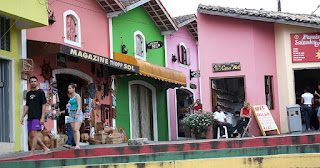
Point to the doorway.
(63, 81)
(229, 94)
(4, 102)
(184, 101)
(142, 112)
(307, 78)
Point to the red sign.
(305, 47)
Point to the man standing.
(307, 99)
(35, 108)
(221, 120)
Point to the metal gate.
(4, 102)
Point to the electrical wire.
(80, 7)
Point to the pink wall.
(173, 40)
(93, 22)
(224, 39)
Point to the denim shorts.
(318, 114)
(72, 115)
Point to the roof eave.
(257, 18)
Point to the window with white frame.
(183, 55)
(4, 34)
(72, 31)
(139, 45)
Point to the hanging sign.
(305, 47)
(194, 74)
(155, 45)
(264, 119)
(233, 66)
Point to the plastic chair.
(225, 133)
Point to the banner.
(305, 47)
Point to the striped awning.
(153, 70)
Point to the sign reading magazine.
(264, 119)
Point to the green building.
(138, 35)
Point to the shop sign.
(194, 74)
(305, 47)
(155, 45)
(98, 59)
(264, 118)
(233, 66)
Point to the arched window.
(139, 45)
(72, 31)
(184, 55)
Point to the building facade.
(13, 21)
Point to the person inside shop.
(197, 105)
(317, 98)
(307, 100)
(221, 120)
(70, 142)
(35, 108)
(75, 114)
(245, 115)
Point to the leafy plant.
(198, 122)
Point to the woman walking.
(75, 114)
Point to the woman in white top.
(307, 100)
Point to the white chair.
(225, 132)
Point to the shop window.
(269, 91)
(72, 33)
(184, 55)
(139, 45)
(4, 34)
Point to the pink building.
(76, 49)
(182, 55)
(237, 62)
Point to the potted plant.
(198, 123)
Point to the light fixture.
(124, 49)
(52, 19)
(174, 58)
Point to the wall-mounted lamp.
(174, 58)
(124, 49)
(52, 19)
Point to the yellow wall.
(295, 160)
(14, 53)
(28, 11)
(285, 68)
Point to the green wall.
(137, 19)
(124, 26)
(123, 105)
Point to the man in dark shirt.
(35, 108)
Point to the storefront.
(298, 66)
(57, 65)
(237, 63)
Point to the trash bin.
(294, 118)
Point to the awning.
(153, 70)
(36, 48)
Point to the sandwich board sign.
(264, 119)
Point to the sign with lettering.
(155, 45)
(194, 74)
(264, 118)
(305, 47)
(98, 59)
(233, 66)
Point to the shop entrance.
(307, 78)
(63, 80)
(184, 101)
(4, 102)
(229, 93)
(141, 112)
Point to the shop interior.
(63, 80)
(307, 78)
(184, 101)
(229, 94)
